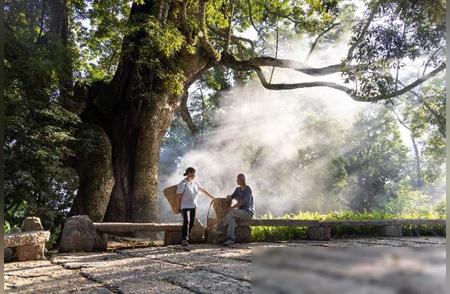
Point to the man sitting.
(243, 210)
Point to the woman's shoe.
(184, 243)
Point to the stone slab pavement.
(406, 265)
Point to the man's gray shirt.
(247, 196)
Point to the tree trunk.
(94, 168)
(136, 135)
(118, 171)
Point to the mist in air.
(262, 132)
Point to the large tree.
(149, 54)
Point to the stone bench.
(172, 231)
(243, 231)
(321, 230)
(317, 230)
(30, 243)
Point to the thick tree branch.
(186, 116)
(252, 63)
(283, 86)
(347, 90)
(255, 63)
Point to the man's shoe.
(184, 243)
(228, 242)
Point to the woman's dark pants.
(186, 223)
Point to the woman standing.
(188, 189)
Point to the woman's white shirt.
(189, 191)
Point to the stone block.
(7, 254)
(172, 237)
(101, 242)
(390, 231)
(243, 234)
(243, 223)
(197, 232)
(32, 224)
(211, 236)
(144, 235)
(78, 234)
(214, 237)
(319, 233)
(30, 252)
(26, 238)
